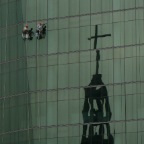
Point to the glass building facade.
(83, 83)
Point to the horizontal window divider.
(69, 125)
(73, 16)
(71, 52)
(68, 88)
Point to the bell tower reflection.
(96, 110)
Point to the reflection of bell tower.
(99, 96)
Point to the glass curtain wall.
(83, 83)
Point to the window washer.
(40, 31)
(26, 33)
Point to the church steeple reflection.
(96, 95)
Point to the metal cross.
(97, 36)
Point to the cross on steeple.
(97, 36)
(95, 46)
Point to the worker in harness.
(40, 31)
(26, 33)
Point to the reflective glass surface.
(81, 84)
